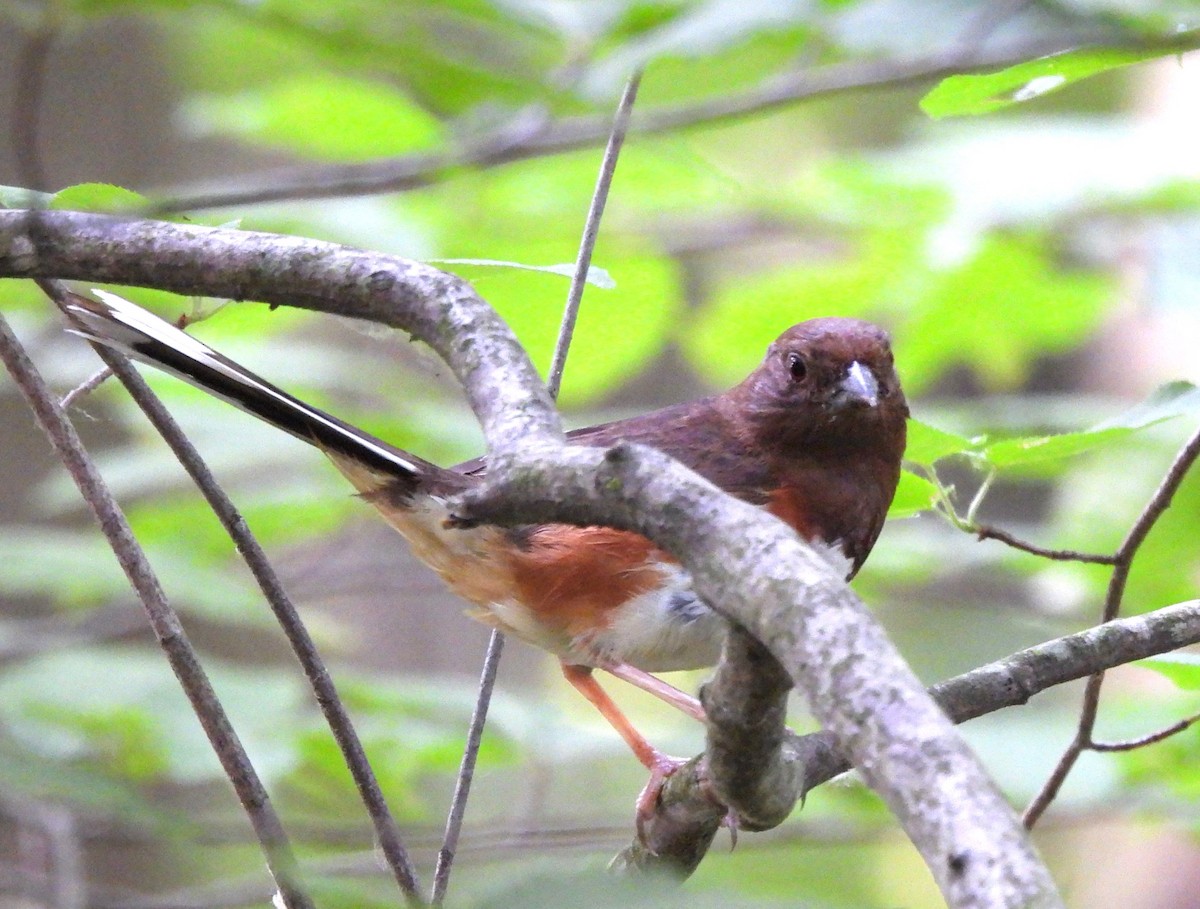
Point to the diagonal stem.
(466, 772)
(1159, 502)
(386, 829)
(491, 663)
(591, 229)
(163, 619)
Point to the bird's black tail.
(117, 323)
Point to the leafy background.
(1026, 233)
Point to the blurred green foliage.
(995, 248)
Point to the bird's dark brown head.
(827, 383)
(826, 410)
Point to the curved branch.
(438, 308)
(761, 576)
(745, 562)
(813, 759)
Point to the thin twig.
(1123, 562)
(487, 682)
(987, 532)
(591, 229)
(29, 93)
(1157, 506)
(386, 829)
(466, 772)
(780, 90)
(1151, 739)
(163, 619)
(968, 524)
(90, 384)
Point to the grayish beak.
(858, 387)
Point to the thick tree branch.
(758, 573)
(438, 308)
(748, 564)
(804, 762)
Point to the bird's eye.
(796, 366)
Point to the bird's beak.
(859, 386)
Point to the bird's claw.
(731, 821)
(661, 767)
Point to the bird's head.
(824, 383)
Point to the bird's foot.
(661, 767)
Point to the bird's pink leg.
(659, 764)
(657, 687)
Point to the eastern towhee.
(814, 435)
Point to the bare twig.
(591, 229)
(86, 387)
(1155, 508)
(163, 620)
(386, 829)
(968, 524)
(1123, 562)
(986, 532)
(466, 771)
(1151, 739)
(562, 345)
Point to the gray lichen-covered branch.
(750, 566)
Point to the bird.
(814, 435)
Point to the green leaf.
(98, 197)
(965, 95)
(1174, 399)
(927, 444)
(996, 314)
(1171, 400)
(914, 494)
(1181, 668)
(320, 115)
(1035, 449)
(596, 276)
